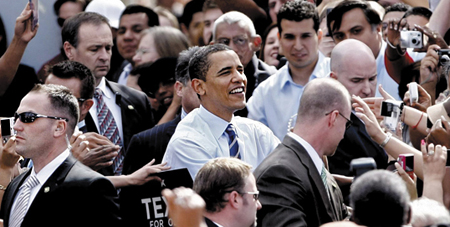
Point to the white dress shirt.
(201, 136)
(110, 99)
(276, 99)
(124, 75)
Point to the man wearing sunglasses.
(295, 187)
(353, 64)
(57, 186)
(229, 189)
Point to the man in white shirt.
(276, 99)
(212, 130)
(57, 187)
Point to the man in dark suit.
(228, 188)
(118, 112)
(152, 143)
(353, 64)
(296, 189)
(57, 187)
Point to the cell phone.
(7, 128)
(34, 6)
(413, 92)
(406, 161)
(360, 166)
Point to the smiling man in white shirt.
(212, 130)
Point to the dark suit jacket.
(356, 144)
(136, 115)
(149, 144)
(74, 195)
(292, 192)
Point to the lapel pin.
(130, 107)
(46, 189)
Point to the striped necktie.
(22, 202)
(323, 175)
(108, 128)
(233, 144)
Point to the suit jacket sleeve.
(282, 194)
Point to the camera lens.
(414, 41)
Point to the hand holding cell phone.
(34, 4)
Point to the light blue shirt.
(201, 136)
(277, 99)
(383, 78)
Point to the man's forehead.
(287, 25)
(95, 35)
(133, 19)
(33, 101)
(222, 59)
(225, 30)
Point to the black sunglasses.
(29, 117)
(347, 124)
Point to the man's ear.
(87, 104)
(234, 200)
(319, 35)
(179, 88)
(198, 86)
(68, 50)
(333, 75)
(257, 42)
(61, 128)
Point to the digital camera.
(392, 111)
(444, 56)
(411, 39)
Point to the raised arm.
(10, 61)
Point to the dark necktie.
(108, 128)
(234, 146)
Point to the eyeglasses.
(255, 194)
(29, 117)
(238, 41)
(349, 122)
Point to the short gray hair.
(233, 17)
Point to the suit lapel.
(313, 174)
(48, 188)
(13, 188)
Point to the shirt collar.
(216, 124)
(287, 78)
(317, 160)
(48, 169)
(102, 87)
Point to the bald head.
(321, 96)
(353, 64)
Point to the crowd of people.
(273, 107)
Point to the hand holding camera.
(417, 97)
